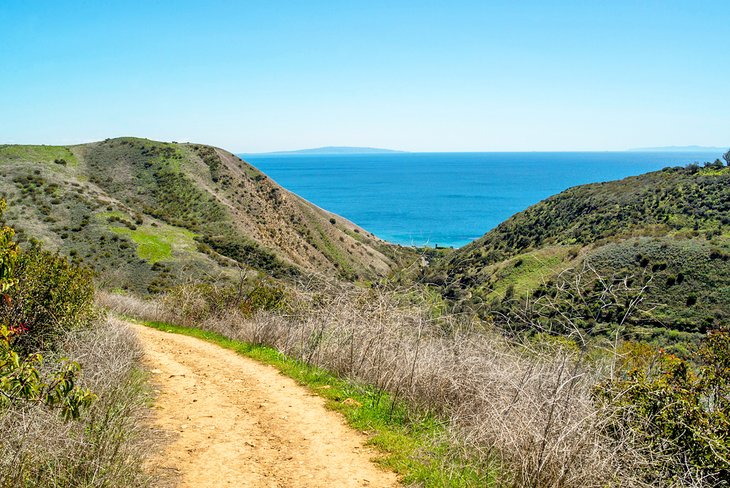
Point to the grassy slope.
(672, 225)
(145, 214)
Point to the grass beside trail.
(412, 445)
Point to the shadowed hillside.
(146, 214)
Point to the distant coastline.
(334, 150)
(353, 150)
(709, 149)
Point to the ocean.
(448, 199)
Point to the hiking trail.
(232, 421)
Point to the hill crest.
(145, 213)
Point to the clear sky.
(425, 75)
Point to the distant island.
(680, 149)
(337, 150)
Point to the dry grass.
(526, 410)
(104, 447)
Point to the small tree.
(726, 157)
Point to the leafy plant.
(52, 296)
(678, 410)
(21, 380)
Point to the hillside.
(668, 230)
(148, 214)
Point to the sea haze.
(448, 199)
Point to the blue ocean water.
(448, 199)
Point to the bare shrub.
(131, 306)
(524, 407)
(104, 447)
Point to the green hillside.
(147, 214)
(666, 232)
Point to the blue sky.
(425, 76)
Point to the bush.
(193, 303)
(47, 302)
(678, 411)
(22, 381)
(250, 254)
(52, 296)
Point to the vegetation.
(39, 154)
(668, 230)
(583, 342)
(671, 200)
(245, 251)
(211, 159)
(106, 446)
(127, 206)
(46, 315)
(24, 327)
(51, 297)
(679, 411)
(156, 243)
(523, 412)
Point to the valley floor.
(232, 421)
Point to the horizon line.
(690, 148)
(312, 151)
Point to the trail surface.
(232, 421)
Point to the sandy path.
(236, 422)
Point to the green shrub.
(52, 296)
(211, 159)
(676, 410)
(262, 295)
(21, 379)
(250, 253)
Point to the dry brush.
(106, 446)
(524, 408)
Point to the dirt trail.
(236, 422)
